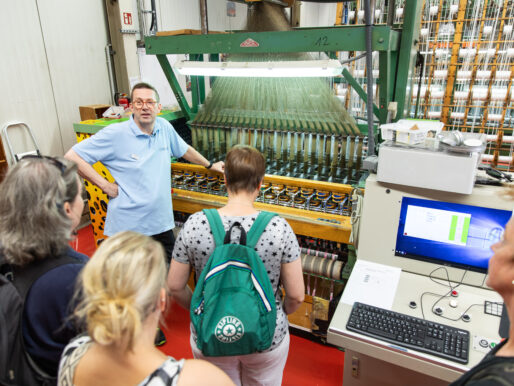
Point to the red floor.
(308, 363)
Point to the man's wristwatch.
(209, 166)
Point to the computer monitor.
(385, 218)
(449, 234)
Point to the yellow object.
(97, 199)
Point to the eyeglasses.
(140, 104)
(54, 161)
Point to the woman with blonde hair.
(122, 295)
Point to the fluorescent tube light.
(285, 69)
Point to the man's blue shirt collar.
(137, 131)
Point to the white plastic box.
(450, 172)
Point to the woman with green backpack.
(239, 255)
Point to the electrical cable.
(353, 59)
(421, 64)
(368, 17)
(356, 200)
(440, 297)
(153, 24)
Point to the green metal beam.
(175, 87)
(360, 91)
(407, 55)
(387, 65)
(340, 38)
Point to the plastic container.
(411, 131)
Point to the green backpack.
(233, 306)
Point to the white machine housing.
(428, 169)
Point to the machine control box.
(436, 170)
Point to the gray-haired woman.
(40, 207)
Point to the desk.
(381, 364)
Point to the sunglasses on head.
(54, 161)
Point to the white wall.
(53, 61)
(317, 14)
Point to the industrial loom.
(315, 149)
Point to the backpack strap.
(24, 277)
(257, 228)
(218, 231)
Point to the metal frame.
(396, 54)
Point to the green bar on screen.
(453, 228)
(465, 230)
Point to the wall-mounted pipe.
(141, 18)
(110, 71)
(204, 20)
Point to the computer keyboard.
(406, 331)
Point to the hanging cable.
(153, 25)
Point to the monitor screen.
(449, 234)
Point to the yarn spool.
(479, 93)
(483, 74)
(436, 94)
(463, 75)
(502, 75)
(318, 253)
(494, 117)
(498, 94)
(329, 268)
(468, 53)
(440, 74)
(488, 29)
(461, 95)
(457, 115)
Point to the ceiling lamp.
(283, 69)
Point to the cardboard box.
(92, 111)
(411, 131)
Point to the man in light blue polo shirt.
(137, 153)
